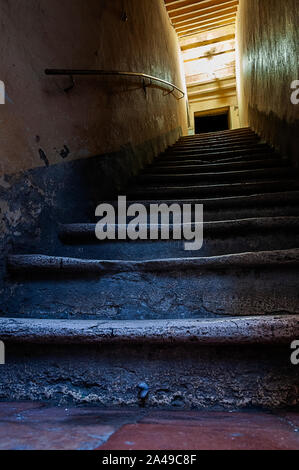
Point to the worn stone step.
(86, 232)
(284, 198)
(251, 212)
(213, 154)
(234, 207)
(56, 264)
(219, 238)
(215, 176)
(215, 159)
(251, 138)
(280, 204)
(220, 134)
(255, 142)
(279, 329)
(212, 190)
(216, 145)
(230, 363)
(245, 284)
(214, 167)
(236, 212)
(199, 150)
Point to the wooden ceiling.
(195, 16)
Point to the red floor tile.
(36, 426)
(206, 431)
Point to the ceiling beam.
(206, 29)
(200, 24)
(201, 84)
(176, 4)
(213, 89)
(203, 39)
(222, 11)
(196, 6)
(199, 11)
(219, 14)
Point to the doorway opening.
(211, 122)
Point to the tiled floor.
(39, 427)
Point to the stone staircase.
(89, 322)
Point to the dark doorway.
(212, 123)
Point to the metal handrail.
(72, 72)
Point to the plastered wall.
(268, 52)
(41, 124)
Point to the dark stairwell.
(206, 329)
(146, 324)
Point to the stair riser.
(289, 200)
(235, 142)
(235, 166)
(220, 134)
(212, 190)
(218, 177)
(211, 153)
(241, 130)
(226, 209)
(145, 295)
(217, 243)
(181, 376)
(251, 212)
(211, 160)
(218, 145)
(175, 249)
(223, 213)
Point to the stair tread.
(19, 263)
(283, 222)
(240, 130)
(269, 163)
(247, 172)
(257, 200)
(229, 330)
(224, 142)
(214, 160)
(220, 149)
(217, 145)
(191, 187)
